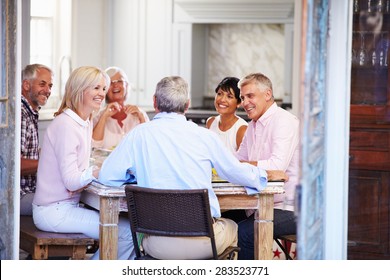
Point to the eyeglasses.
(114, 82)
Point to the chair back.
(169, 213)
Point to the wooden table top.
(220, 188)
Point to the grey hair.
(111, 71)
(262, 81)
(30, 71)
(172, 95)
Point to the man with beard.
(37, 81)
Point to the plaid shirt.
(29, 144)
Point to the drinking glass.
(355, 48)
(362, 51)
(384, 45)
(369, 6)
(379, 6)
(356, 8)
(373, 53)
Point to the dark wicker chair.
(171, 213)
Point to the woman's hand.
(134, 110)
(78, 191)
(131, 109)
(112, 109)
(95, 173)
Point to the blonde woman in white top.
(230, 127)
(117, 118)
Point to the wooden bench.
(41, 244)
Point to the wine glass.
(356, 8)
(373, 53)
(369, 6)
(379, 6)
(382, 59)
(355, 48)
(354, 57)
(362, 50)
(353, 53)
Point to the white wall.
(89, 33)
(144, 38)
(140, 42)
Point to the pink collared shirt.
(273, 141)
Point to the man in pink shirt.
(272, 143)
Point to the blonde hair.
(79, 80)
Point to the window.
(50, 42)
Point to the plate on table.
(216, 179)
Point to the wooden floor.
(278, 254)
(24, 255)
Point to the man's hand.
(273, 175)
(277, 175)
(95, 171)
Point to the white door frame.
(337, 129)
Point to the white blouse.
(228, 137)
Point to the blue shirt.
(170, 152)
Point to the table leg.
(108, 229)
(264, 227)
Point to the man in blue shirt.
(171, 152)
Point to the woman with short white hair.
(117, 118)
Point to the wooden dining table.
(110, 201)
